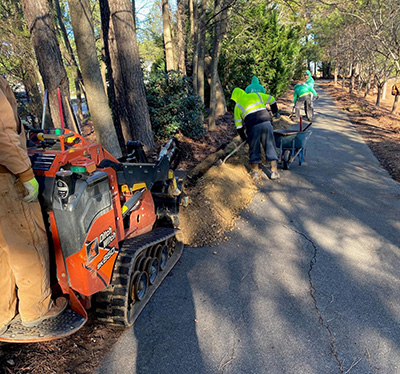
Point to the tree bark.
(194, 30)
(384, 91)
(82, 25)
(70, 58)
(336, 73)
(39, 21)
(379, 95)
(201, 50)
(367, 86)
(219, 31)
(220, 96)
(180, 20)
(117, 101)
(77, 81)
(352, 78)
(33, 96)
(395, 104)
(131, 84)
(168, 46)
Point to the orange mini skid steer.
(112, 228)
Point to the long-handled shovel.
(219, 162)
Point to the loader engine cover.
(87, 231)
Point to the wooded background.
(173, 69)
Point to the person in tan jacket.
(24, 253)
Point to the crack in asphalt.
(222, 366)
(312, 292)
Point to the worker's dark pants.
(301, 101)
(261, 134)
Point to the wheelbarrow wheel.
(308, 108)
(286, 158)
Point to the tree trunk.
(221, 102)
(384, 91)
(70, 58)
(39, 21)
(336, 74)
(219, 32)
(359, 83)
(77, 81)
(201, 50)
(103, 65)
(379, 95)
(352, 78)
(180, 20)
(131, 84)
(367, 86)
(117, 102)
(194, 30)
(168, 46)
(395, 104)
(34, 98)
(82, 25)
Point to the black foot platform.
(53, 328)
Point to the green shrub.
(173, 106)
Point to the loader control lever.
(132, 201)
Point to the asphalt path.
(308, 281)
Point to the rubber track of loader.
(112, 303)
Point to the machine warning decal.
(92, 250)
(101, 242)
(63, 189)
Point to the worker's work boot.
(5, 327)
(254, 171)
(274, 170)
(56, 308)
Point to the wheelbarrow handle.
(307, 126)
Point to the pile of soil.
(216, 200)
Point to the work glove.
(32, 187)
(277, 115)
(316, 98)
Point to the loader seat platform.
(53, 328)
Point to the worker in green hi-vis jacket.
(304, 95)
(309, 78)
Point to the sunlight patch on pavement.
(357, 245)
